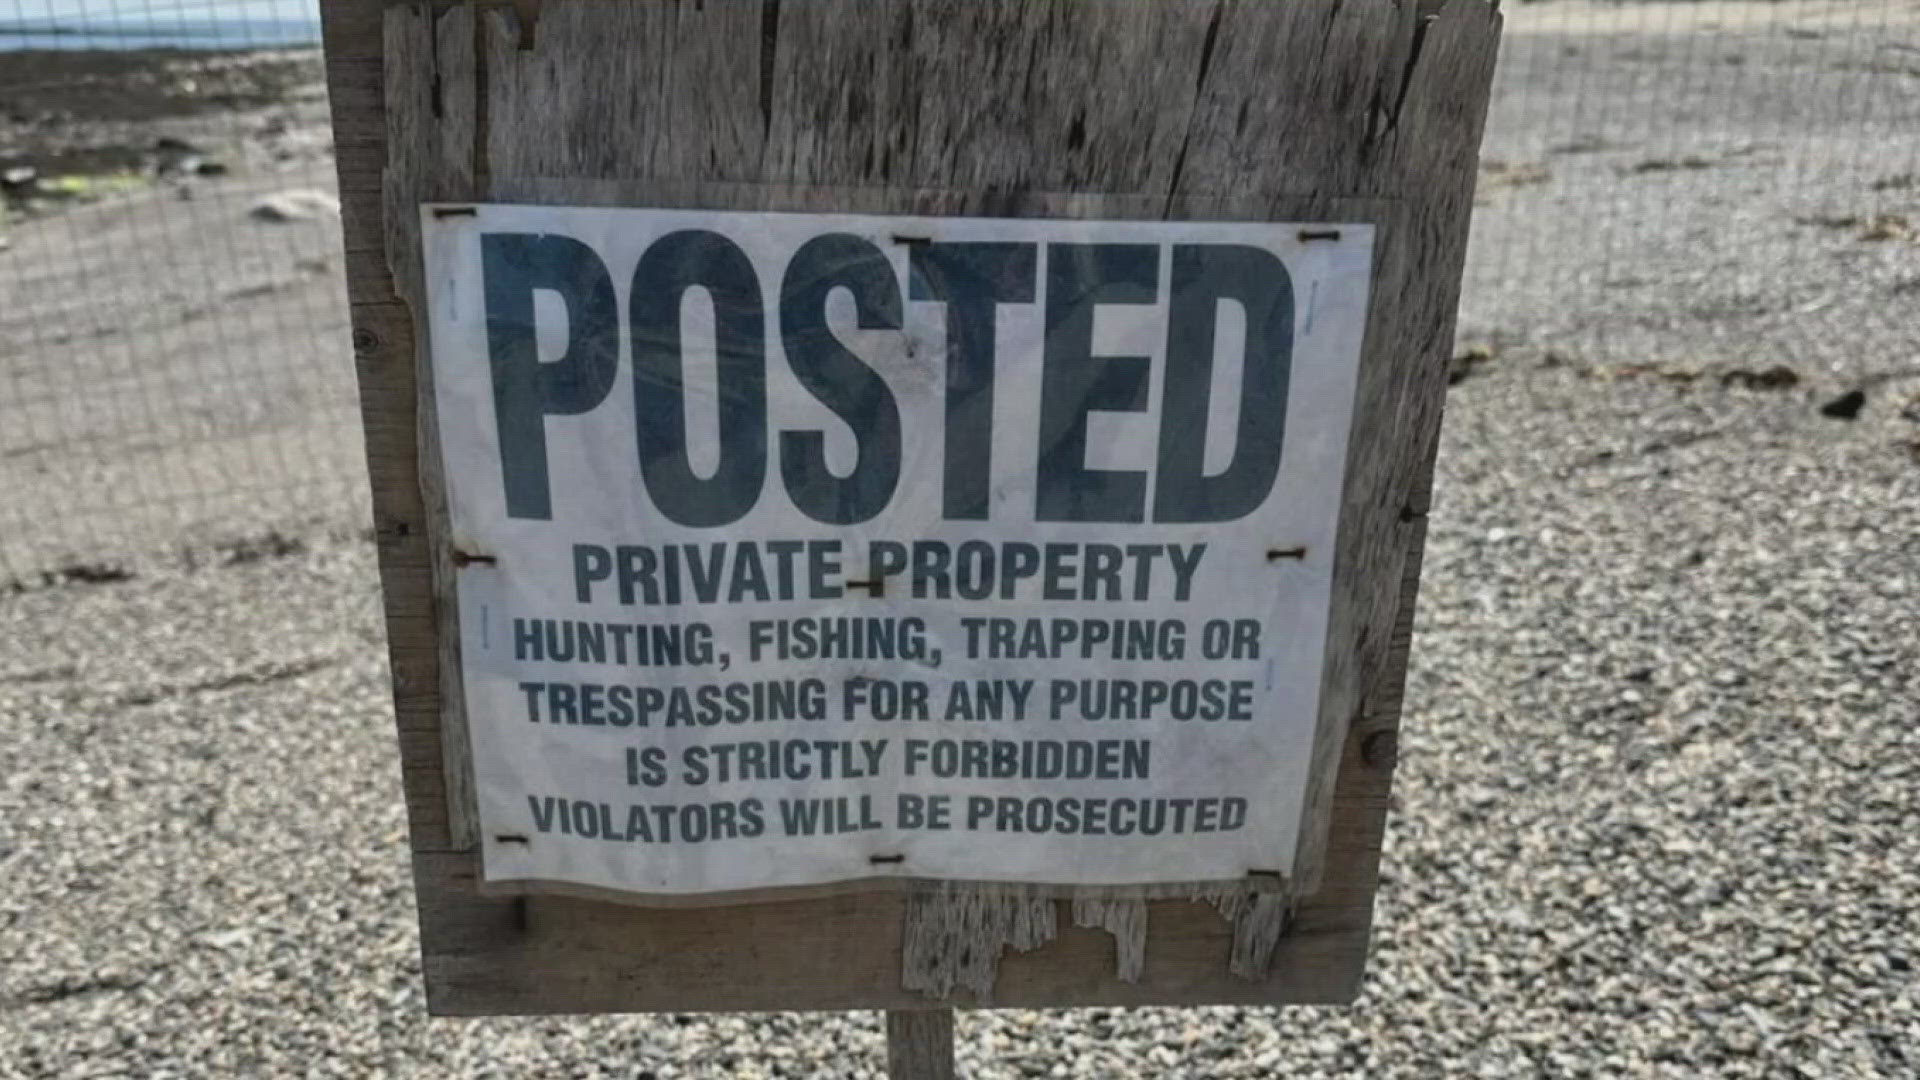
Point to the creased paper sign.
(806, 548)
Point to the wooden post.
(920, 1044)
(1312, 112)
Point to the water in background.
(158, 24)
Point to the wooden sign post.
(900, 503)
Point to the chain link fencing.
(1705, 190)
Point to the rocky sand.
(1655, 813)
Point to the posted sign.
(799, 549)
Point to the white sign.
(807, 548)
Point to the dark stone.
(92, 573)
(1467, 364)
(1777, 377)
(1845, 407)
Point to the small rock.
(226, 939)
(1777, 377)
(1845, 407)
(1468, 363)
(1495, 174)
(1830, 221)
(1655, 165)
(1888, 227)
(178, 164)
(297, 205)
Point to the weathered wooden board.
(1202, 109)
(920, 1043)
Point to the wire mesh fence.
(174, 365)
(1709, 184)
(1704, 190)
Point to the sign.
(883, 395)
(798, 549)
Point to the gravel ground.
(1655, 813)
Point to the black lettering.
(526, 390)
(675, 263)
(1074, 382)
(971, 279)
(842, 381)
(1203, 277)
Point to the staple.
(463, 558)
(456, 211)
(510, 838)
(883, 859)
(1319, 234)
(901, 238)
(1275, 874)
(1276, 554)
(875, 587)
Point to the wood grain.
(1204, 109)
(920, 1044)
(432, 121)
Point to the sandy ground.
(175, 371)
(1655, 815)
(1796, 16)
